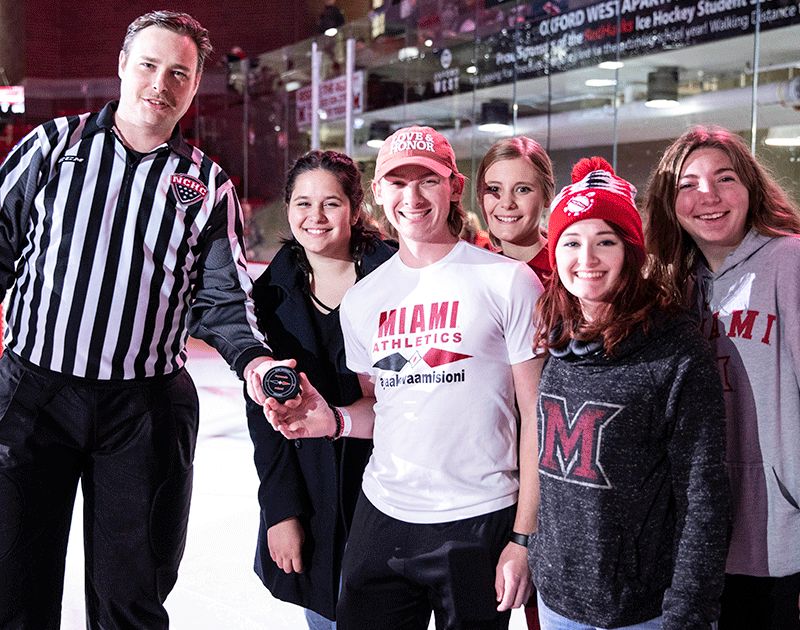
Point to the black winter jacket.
(313, 479)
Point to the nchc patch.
(188, 189)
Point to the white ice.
(216, 588)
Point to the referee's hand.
(254, 373)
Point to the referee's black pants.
(394, 573)
(131, 445)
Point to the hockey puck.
(281, 383)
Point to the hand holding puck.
(281, 383)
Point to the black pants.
(761, 603)
(131, 444)
(395, 573)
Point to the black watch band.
(521, 539)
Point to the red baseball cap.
(423, 146)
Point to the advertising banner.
(332, 99)
(583, 36)
(517, 40)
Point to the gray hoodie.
(750, 311)
(633, 514)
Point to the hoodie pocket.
(790, 499)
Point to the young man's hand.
(306, 416)
(512, 582)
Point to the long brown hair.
(630, 303)
(674, 252)
(457, 216)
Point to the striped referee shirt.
(116, 256)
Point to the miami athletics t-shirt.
(439, 343)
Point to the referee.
(119, 239)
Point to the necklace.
(319, 303)
(325, 308)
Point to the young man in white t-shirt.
(442, 337)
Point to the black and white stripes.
(116, 255)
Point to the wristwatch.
(522, 539)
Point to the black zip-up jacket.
(634, 496)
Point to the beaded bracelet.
(337, 416)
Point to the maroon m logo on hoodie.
(569, 446)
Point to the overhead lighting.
(661, 103)
(358, 123)
(323, 115)
(291, 86)
(12, 97)
(610, 65)
(471, 70)
(429, 42)
(496, 128)
(783, 136)
(662, 88)
(600, 82)
(495, 117)
(331, 32)
(378, 132)
(408, 52)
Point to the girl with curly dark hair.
(308, 489)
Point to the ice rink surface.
(216, 588)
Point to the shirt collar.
(105, 121)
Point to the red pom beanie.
(595, 193)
